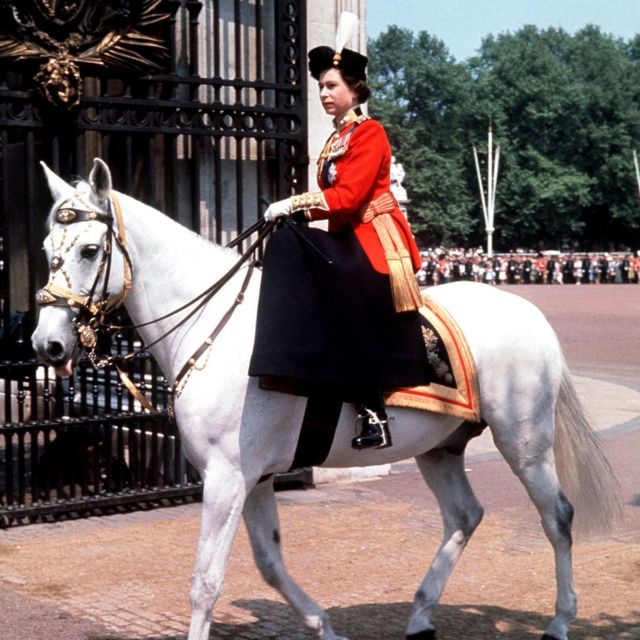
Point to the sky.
(462, 24)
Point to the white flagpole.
(489, 203)
(482, 198)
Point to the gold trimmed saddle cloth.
(455, 391)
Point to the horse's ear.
(57, 185)
(100, 180)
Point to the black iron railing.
(205, 139)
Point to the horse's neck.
(171, 266)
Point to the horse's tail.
(584, 471)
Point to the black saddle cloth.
(332, 324)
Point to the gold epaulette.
(306, 201)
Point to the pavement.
(362, 547)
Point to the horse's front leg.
(222, 501)
(261, 518)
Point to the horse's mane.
(178, 228)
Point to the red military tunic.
(328, 317)
(353, 171)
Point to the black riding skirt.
(325, 316)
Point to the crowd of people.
(440, 266)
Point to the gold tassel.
(404, 288)
(409, 292)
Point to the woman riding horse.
(343, 318)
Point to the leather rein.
(91, 311)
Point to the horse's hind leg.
(534, 464)
(461, 514)
(261, 517)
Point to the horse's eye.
(89, 251)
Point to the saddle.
(452, 388)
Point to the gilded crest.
(64, 35)
(60, 11)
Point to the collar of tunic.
(340, 122)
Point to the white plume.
(347, 27)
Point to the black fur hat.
(349, 62)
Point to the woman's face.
(335, 94)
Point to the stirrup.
(375, 432)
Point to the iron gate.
(198, 108)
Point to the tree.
(565, 110)
(568, 116)
(420, 95)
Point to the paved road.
(361, 548)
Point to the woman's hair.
(360, 87)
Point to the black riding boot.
(374, 432)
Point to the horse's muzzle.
(54, 342)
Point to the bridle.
(91, 310)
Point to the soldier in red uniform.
(351, 325)
(636, 268)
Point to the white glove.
(278, 210)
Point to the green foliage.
(564, 110)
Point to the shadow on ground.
(373, 622)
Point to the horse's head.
(87, 277)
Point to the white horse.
(236, 433)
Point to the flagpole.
(489, 201)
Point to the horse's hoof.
(427, 634)
(546, 636)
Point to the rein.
(201, 299)
(264, 228)
(56, 295)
